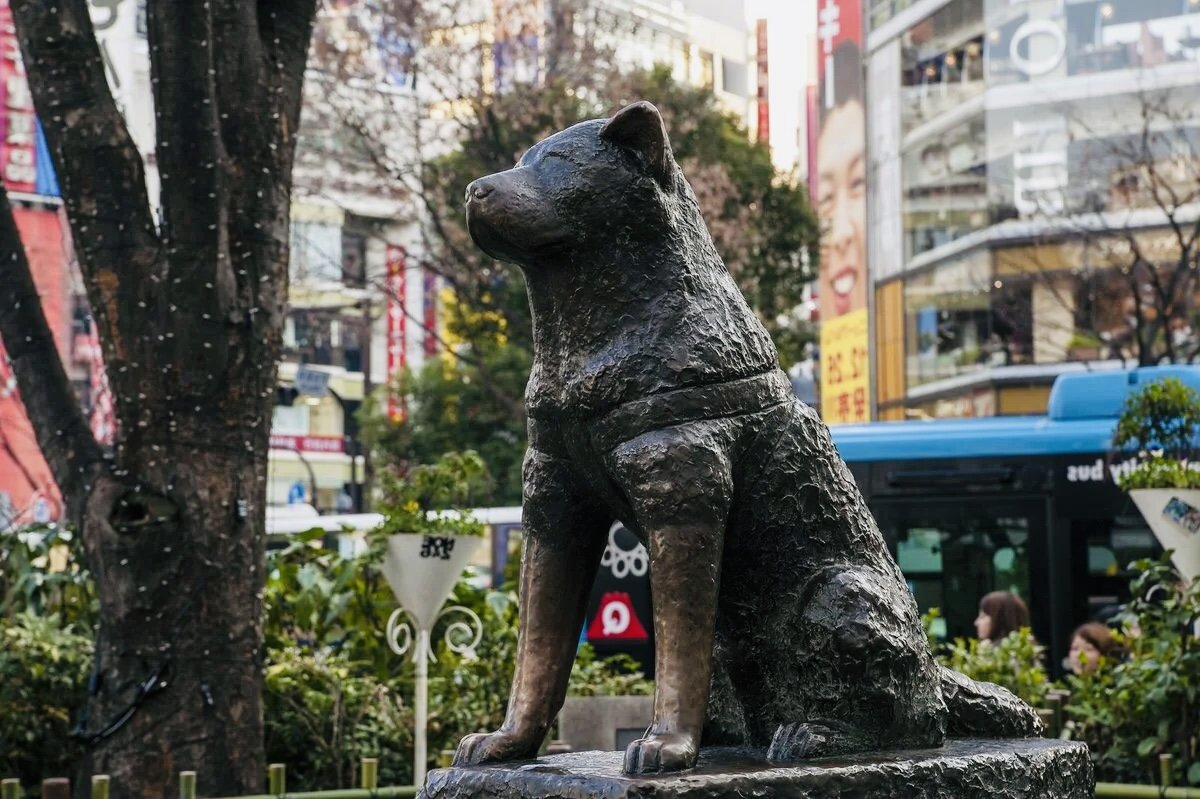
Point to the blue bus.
(1026, 504)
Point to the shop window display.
(945, 187)
(942, 63)
(1027, 41)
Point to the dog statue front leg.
(564, 539)
(680, 488)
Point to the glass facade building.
(1031, 166)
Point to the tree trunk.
(190, 314)
(178, 653)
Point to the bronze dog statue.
(656, 398)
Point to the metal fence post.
(187, 785)
(56, 788)
(1165, 760)
(100, 784)
(277, 779)
(370, 773)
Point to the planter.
(422, 569)
(1174, 516)
(606, 723)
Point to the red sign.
(397, 342)
(308, 443)
(764, 110)
(615, 620)
(18, 124)
(429, 295)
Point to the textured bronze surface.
(655, 398)
(962, 769)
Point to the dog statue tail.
(984, 710)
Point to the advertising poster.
(841, 182)
(845, 369)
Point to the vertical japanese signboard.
(841, 181)
(397, 342)
(764, 93)
(18, 124)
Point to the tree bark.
(190, 317)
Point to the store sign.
(1040, 175)
(397, 343)
(615, 620)
(845, 371)
(335, 444)
(18, 123)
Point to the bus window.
(1102, 550)
(954, 552)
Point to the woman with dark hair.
(1000, 613)
(1089, 643)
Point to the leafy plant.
(323, 712)
(43, 677)
(430, 498)
(1130, 712)
(616, 675)
(1160, 424)
(1014, 662)
(42, 572)
(316, 600)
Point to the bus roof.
(1081, 414)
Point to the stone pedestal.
(1033, 768)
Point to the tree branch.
(62, 431)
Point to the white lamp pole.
(422, 571)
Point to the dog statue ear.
(639, 127)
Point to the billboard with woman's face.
(841, 161)
(841, 195)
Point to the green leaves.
(445, 485)
(1131, 711)
(1160, 426)
(44, 667)
(1016, 662)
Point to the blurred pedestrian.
(1089, 643)
(1000, 613)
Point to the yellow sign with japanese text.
(845, 369)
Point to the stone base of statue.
(1033, 768)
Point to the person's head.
(1000, 613)
(842, 185)
(1089, 643)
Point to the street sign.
(312, 382)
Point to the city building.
(363, 304)
(1032, 192)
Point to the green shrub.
(43, 678)
(323, 713)
(334, 691)
(616, 675)
(1160, 426)
(1132, 711)
(410, 504)
(1014, 662)
(42, 572)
